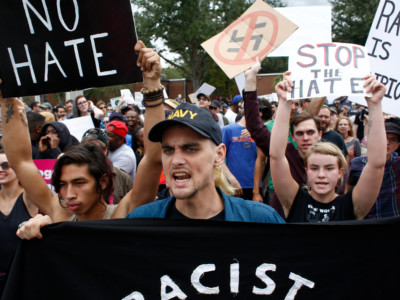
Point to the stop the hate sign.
(259, 31)
(328, 69)
(53, 46)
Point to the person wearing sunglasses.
(15, 207)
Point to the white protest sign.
(127, 96)
(78, 126)
(328, 69)
(114, 102)
(205, 89)
(383, 46)
(314, 24)
(240, 82)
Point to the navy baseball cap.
(196, 118)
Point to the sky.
(306, 2)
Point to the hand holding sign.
(150, 64)
(378, 90)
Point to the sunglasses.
(5, 166)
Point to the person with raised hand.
(325, 164)
(82, 186)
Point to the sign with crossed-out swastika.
(259, 31)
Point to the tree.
(182, 25)
(352, 20)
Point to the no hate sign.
(51, 46)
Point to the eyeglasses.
(393, 140)
(5, 166)
(82, 102)
(103, 107)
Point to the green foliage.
(182, 25)
(352, 20)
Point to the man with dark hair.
(35, 124)
(122, 182)
(388, 202)
(35, 106)
(329, 135)
(60, 113)
(68, 107)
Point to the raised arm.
(284, 185)
(148, 173)
(367, 188)
(16, 142)
(254, 124)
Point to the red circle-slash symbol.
(239, 58)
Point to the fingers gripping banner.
(170, 259)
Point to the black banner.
(49, 46)
(171, 259)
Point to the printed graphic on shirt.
(317, 214)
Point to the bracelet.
(151, 95)
(145, 104)
(145, 91)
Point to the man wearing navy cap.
(192, 153)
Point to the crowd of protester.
(291, 155)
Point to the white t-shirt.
(124, 159)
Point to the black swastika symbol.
(256, 38)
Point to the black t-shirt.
(173, 213)
(335, 138)
(306, 209)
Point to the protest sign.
(45, 167)
(240, 82)
(205, 89)
(78, 126)
(260, 30)
(383, 46)
(314, 24)
(328, 69)
(201, 259)
(53, 46)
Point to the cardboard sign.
(45, 167)
(260, 30)
(54, 46)
(383, 46)
(314, 27)
(328, 69)
(205, 89)
(78, 126)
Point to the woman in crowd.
(83, 107)
(344, 127)
(15, 207)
